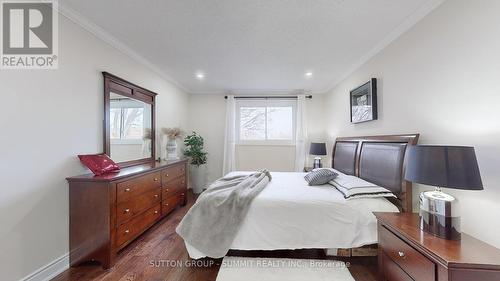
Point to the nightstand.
(308, 169)
(407, 253)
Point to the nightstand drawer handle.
(156, 195)
(155, 179)
(126, 210)
(127, 231)
(127, 189)
(401, 254)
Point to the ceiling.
(250, 45)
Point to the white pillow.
(353, 187)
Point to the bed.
(289, 214)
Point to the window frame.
(265, 103)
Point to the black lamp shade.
(443, 166)
(317, 148)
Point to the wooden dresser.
(409, 254)
(108, 212)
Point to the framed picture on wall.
(364, 102)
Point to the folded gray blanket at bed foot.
(213, 221)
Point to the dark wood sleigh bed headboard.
(377, 159)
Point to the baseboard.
(50, 270)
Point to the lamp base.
(317, 163)
(436, 215)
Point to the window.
(265, 121)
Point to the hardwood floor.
(157, 253)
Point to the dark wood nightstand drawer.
(392, 271)
(410, 260)
(425, 257)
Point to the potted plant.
(198, 159)
(172, 135)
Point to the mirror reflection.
(130, 128)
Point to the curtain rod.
(268, 97)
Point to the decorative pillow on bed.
(320, 176)
(353, 187)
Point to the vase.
(172, 149)
(198, 174)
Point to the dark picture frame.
(363, 102)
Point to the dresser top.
(126, 172)
(467, 252)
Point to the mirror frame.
(125, 88)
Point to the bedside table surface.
(468, 252)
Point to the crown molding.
(411, 21)
(256, 92)
(102, 34)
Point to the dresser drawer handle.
(155, 179)
(127, 231)
(156, 212)
(127, 189)
(167, 175)
(166, 204)
(156, 195)
(126, 210)
(401, 254)
(166, 189)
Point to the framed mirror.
(129, 122)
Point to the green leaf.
(194, 149)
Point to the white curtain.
(301, 134)
(229, 163)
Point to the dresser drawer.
(137, 225)
(410, 260)
(137, 205)
(134, 187)
(171, 202)
(173, 172)
(173, 187)
(392, 272)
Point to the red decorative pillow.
(99, 163)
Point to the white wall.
(207, 117)
(47, 118)
(440, 79)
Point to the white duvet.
(289, 214)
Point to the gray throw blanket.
(214, 220)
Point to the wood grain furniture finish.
(377, 159)
(108, 212)
(125, 88)
(408, 253)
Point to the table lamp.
(317, 149)
(442, 166)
